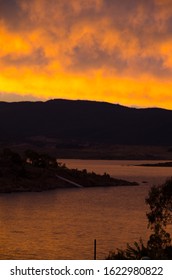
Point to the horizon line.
(83, 100)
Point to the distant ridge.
(84, 122)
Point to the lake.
(62, 224)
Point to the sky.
(118, 51)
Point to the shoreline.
(41, 172)
(39, 186)
(159, 164)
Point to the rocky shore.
(35, 172)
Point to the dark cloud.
(36, 58)
(151, 65)
(91, 59)
(169, 25)
(135, 20)
(13, 14)
(10, 11)
(85, 59)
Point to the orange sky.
(106, 50)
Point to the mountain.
(84, 122)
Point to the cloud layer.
(117, 51)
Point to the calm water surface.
(63, 224)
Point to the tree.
(159, 218)
(160, 215)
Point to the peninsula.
(40, 172)
(159, 164)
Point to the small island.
(41, 172)
(159, 164)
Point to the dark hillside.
(85, 122)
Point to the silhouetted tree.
(160, 215)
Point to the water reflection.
(63, 224)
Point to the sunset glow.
(104, 50)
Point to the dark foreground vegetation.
(38, 172)
(159, 246)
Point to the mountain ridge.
(84, 121)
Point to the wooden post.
(95, 249)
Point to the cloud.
(12, 97)
(60, 47)
(35, 58)
(12, 14)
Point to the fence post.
(95, 249)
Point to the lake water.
(63, 224)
